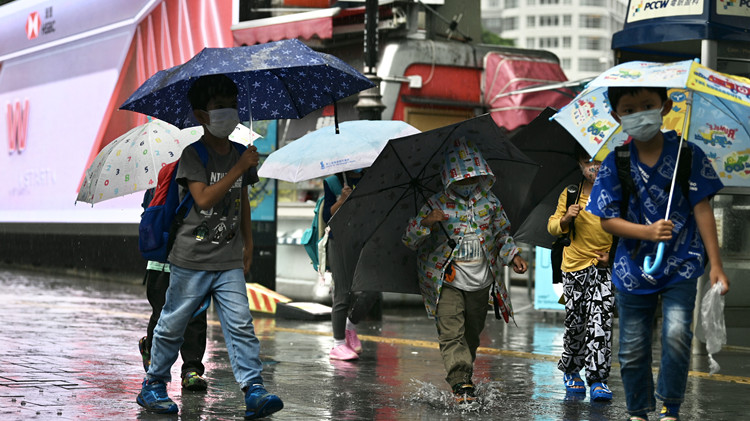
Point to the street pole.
(370, 105)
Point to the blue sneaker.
(154, 397)
(260, 403)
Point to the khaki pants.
(460, 319)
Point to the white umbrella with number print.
(131, 163)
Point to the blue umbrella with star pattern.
(282, 79)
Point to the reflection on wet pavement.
(69, 351)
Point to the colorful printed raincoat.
(482, 213)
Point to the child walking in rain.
(194, 345)
(458, 273)
(587, 286)
(212, 265)
(689, 233)
(346, 343)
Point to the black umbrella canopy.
(549, 144)
(369, 226)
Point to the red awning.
(505, 74)
(298, 25)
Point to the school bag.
(622, 164)
(556, 253)
(165, 212)
(312, 235)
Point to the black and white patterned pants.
(587, 343)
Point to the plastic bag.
(712, 329)
(322, 243)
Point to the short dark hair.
(207, 87)
(614, 93)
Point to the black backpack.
(622, 163)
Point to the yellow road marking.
(500, 352)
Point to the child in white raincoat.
(458, 274)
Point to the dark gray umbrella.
(369, 226)
(550, 145)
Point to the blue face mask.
(642, 126)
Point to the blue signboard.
(263, 193)
(546, 294)
(649, 22)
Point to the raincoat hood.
(464, 161)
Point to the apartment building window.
(549, 20)
(549, 1)
(511, 4)
(530, 2)
(493, 24)
(566, 64)
(566, 42)
(567, 20)
(530, 21)
(494, 3)
(549, 42)
(590, 43)
(590, 21)
(598, 3)
(530, 43)
(589, 65)
(510, 23)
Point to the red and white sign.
(33, 25)
(18, 126)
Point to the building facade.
(579, 32)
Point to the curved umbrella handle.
(647, 266)
(204, 306)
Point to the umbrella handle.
(204, 306)
(647, 264)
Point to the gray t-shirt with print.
(211, 239)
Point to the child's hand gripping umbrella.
(650, 266)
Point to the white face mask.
(642, 126)
(465, 190)
(223, 121)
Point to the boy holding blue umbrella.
(689, 236)
(212, 249)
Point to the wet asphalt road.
(68, 350)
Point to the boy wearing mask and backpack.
(689, 233)
(212, 251)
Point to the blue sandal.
(573, 383)
(600, 392)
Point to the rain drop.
(23, 403)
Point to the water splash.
(489, 397)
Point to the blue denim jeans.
(187, 289)
(636, 325)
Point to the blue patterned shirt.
(684, 254)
